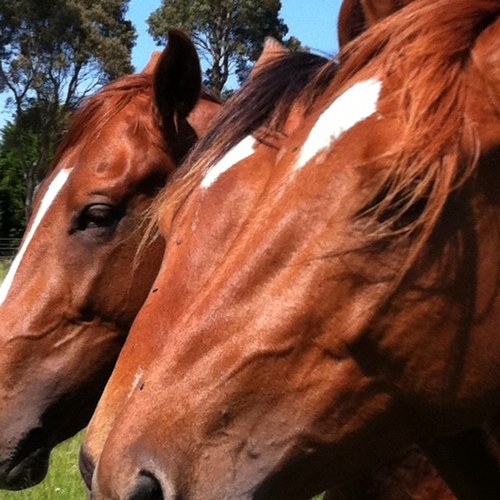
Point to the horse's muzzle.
(28, 465)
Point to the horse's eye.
(98, 215)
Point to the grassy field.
(4, 267)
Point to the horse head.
(349, 305)
(73, 289)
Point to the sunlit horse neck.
(72, 291)
(353, 305)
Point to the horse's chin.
(28, 468)
(30, 471)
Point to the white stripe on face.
(54, 188)
(242, 150)
(353, 106)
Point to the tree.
(12, 187)
(229, 34)
(52, 54)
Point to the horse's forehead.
(357, 103)
(48, 198)
(241, 151)
(102, 159)
(118, 147)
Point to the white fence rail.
(9, 246)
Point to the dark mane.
(264, 101)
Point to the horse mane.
(264, 100)
(427, 45)
(263, 103)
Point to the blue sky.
(313, 22)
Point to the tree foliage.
(229, 34)
(12, 186)
(52, 54)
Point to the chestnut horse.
(468, 460)
(72, 292)
(145, 278)
(338, 298)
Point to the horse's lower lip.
(29, 471)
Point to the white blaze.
(353, 106)
(237, 153)
(50, 195)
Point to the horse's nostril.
(87, 467)
(147, 487)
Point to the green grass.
(4, 267)
(63, 480)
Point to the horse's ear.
(376, 10)
(151, 66)
(351, 22)
(272, 50)
(356, 16)
(177, 77)
(486, 57)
